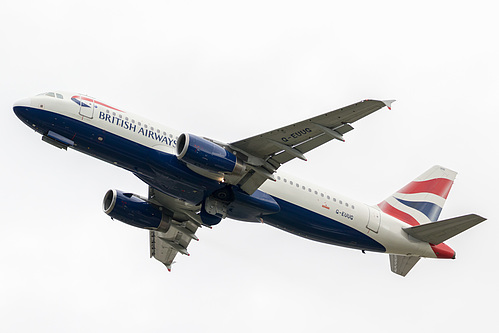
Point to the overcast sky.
(230, 70)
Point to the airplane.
(196, 182)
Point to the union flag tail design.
(422, 200)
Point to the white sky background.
(230, 70)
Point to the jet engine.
(208, 156)
(135, 211)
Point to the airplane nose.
(21, 109)
(23, 102)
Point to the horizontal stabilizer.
(438, 232)
(401, 265)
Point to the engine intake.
(135, 211)
(207, 155)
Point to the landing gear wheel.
(224, 194)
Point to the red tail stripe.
(392, 211)
(438, 186)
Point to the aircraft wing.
(266, 152)
(164, 246)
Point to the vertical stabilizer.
(422, 200)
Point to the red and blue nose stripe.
(80, 100)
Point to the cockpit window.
(52, 94)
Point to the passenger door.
(86, 106)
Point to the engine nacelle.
(207, 155)
(132, 210)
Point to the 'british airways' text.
(137, 129)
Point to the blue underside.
(305, 223)
(167, 174)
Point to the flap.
(164, 246)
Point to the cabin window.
(290, 182)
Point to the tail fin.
(422, 200)
(419, 203)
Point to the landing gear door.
(86, 106)
(374, 220)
